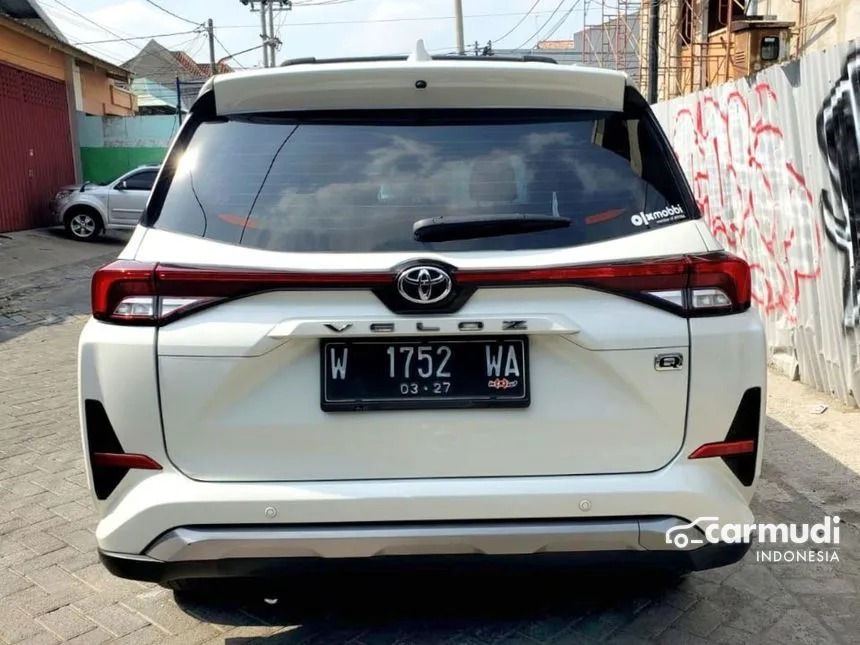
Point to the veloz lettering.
(466, 326)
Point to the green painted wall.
(106, 164)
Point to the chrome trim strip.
(128, 556)
(502, 538)
(555, 324)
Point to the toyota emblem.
(424, 285)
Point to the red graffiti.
(751, 194)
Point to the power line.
(124, 40)
(175, 15)
(283, 21)
(89, 20)
(117, 40)
(276, 36)
(383, 20)
(561, 22)
(541, 28)
(100, 27)
(231, 55)
(166, 58)
(270, 42)
(171, 63)
(321, 3)
(194, 47)
(516, 26)
(239, 53)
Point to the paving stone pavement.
(52, 589)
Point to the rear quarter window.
(357, 182)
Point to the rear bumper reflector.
(114, 460)
(724, 449)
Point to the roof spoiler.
(419, 54)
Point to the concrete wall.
(774, 162)
(103, 165)
(112, 145)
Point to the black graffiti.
(838, 127)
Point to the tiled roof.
(197, 69)
(187, 62)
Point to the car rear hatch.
(308, 330)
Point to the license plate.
(424, 374)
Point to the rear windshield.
(357, 182)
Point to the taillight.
(719, 282)
(136, 293)
(124, 291)
(139, 293)
(694, 285)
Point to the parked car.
(87, 210)
(419, 307)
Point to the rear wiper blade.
(467, 227)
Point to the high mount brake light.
(136, 293)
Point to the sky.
(321, 28)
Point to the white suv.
(414, 307)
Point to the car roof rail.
(526, 58)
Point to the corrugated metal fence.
(35, 147)
(774, 161)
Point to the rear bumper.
(243, 552)
(149, 504)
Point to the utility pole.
(272, 38)
(264, 35)
(458, 20)
(210, 29)
(267, 10)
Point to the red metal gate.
(35, 147)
